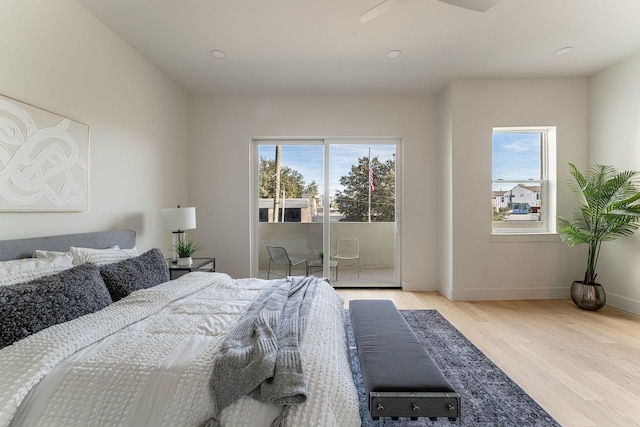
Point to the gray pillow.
(147, 270)
(27, 308)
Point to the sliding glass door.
(363, 228)
(290, 184)
(332, 203)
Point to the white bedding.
(147, 360)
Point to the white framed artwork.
(44, 160)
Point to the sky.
(309, 160)
(516, 156)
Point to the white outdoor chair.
(278, 255)
(348, 249)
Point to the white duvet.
(147, 360)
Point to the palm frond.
(610, 208)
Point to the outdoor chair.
(278, 255)
(348, 249)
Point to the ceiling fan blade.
(379, 9)
(477, 5)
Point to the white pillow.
(133, 252)
(50, 254)
(101, 256)
(27, 269)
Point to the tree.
(353, 201)
(312, 189)
(291, 181)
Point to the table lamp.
(177, 220)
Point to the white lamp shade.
(177, 219)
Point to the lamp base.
(177, 236)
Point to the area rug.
(488, 396)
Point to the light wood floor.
(582, 367)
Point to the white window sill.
(512, 237)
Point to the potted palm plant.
(610, 209)
(184, 249)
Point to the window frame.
(327, 142)
(547, 183)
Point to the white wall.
(445, 171)
(58, 57)
(615, 140)
(221, 129)
(546, 266)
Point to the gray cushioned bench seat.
(400, 377)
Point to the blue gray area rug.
(488, 396)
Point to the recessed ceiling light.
(563, 51)
(217, 54)
(393, 53)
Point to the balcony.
(304, 240)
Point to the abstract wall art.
(44, 160)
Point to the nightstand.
(198, 264)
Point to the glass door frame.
(254, 222)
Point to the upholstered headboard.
(24, 248)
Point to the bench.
(400, 378)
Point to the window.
(292, 215)
(328, 189)
(521, 177)
(264, 214)
(289, 215)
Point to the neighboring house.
(520, 194)
(303, 209)
(526, 194)
(499, 200)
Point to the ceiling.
(320, 47)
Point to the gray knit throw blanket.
(261, 355)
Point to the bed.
(104, 338)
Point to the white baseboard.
(623, 303)
(498, 294)
(419, 286)
(492, 294)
